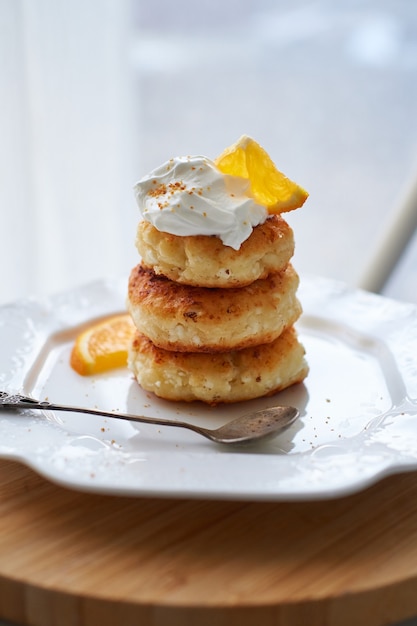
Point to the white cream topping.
(190, 196)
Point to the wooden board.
(77, 559)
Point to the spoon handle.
(17, 402)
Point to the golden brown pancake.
(204, 261)
(219, 377)
(198, 319)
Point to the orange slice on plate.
(269, 186)
(103, 346)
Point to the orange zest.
(103, 346)
(269, 187)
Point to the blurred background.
(95, 93)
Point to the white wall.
(66, 153)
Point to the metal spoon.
(250, 427)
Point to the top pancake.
(206, 262)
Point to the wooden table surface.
(77, 559)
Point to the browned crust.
(167, 298)
(221, 319)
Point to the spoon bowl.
(256, 425)
(253, 426)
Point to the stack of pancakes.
(213, 323)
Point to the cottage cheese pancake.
(219, 377)
(204, 261)
(186, 319)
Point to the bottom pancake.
(219, 377)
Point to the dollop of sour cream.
(191, 196)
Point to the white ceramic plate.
(358, 406)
